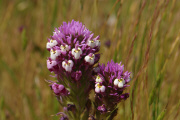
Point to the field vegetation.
(143, 34)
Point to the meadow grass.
(144, 35)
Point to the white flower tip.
(68, 69)
(102, 89)
(120, 85)
(116, 82)
(98, 79)
(97, 90)
(87, 58)
(68, 66)
(90, 59)
(76, 53)
(98, 43)
(53, 43)
(123, 81)
(119, 82)
(64, 48)
(48, 45)
(91, 43)
(54, 54)
(50, 64)
(64, 64)
(70, 63)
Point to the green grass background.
(144, 35)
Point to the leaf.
(24, 39)
(161, 116)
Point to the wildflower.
(67, 65)
(73, 53)
(102, 108)
(59, 89)
(51, 43)
(64, 48)
(98, 43)
(76, 52)
(54, 54)
(119, 82)
(51, 64)
(70, 41)
(99, 88)
(98, 79)
(90, 58)
(91, 43)
(114, 82)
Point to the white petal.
(73, 51)
(77, 55)
(97, 90)
(91, 44)
(62, 47)
(98, 43)
(54, 43)
(68, 68)
(87, 58)
(57, 52)
(71, 63)
(120, 84)
(64, 64)
(67, 48)
(123, 81)
(52, 56)
(116, 81)
(48, 45)
(102, 89)
(91, 62)
(80, 51)
(49, 65)
(54, 63)
(98, 79)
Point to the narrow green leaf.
(24, 39)
(161, 116)
(54, 14)
(115, 56)
(1, 108)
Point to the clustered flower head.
(72, 48)
(73, 54)
(110, 83)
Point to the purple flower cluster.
(73, 55)
(72, 50)
(110, 82)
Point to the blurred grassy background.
(143, 34)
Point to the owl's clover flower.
(72, 48)
(73, 53)
(99, 88)
(59, 89)
(110, 84)
(102, 108)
